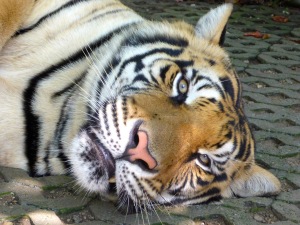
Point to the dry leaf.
(280, 19)
(255, 34)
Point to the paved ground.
(270, 72)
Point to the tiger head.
(166, 123)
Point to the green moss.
(230, 206)
(6, 193)
(256, 209)
(13, 218)
(70, 210)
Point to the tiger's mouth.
(103, 155)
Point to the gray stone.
(286, 211)
(296, 32)
(291, 197)
(19, 176)
(294, 179)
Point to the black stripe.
(115, 62)
(163, 72)
(183, 64)
(212, 83)
(140, 77)
(105, 118)
(247, 151)
(107, 13)
(178, 190)
(212, 199)
(201, 182)
(64, 118)
(115, 118)
(66, 5)
(69, 87)
(139, 40)
(46, 161)
(200, 77)
(206, 86)
(194, 73)
(168, 51)
(210, 61)
(228, 87)
(154, 80)
(124, 109)
(213, 193)
(32, 122)
(220, 178)
(241, 150)
(192, 180)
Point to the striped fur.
(85, 85)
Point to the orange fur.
(12, 15)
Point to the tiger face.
(166, 123)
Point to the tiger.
(140, 112)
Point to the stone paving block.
(286, 211)
(44, 217)
(107, 212)
(64, 205)
(241, 53)
(25, 194)
(281, 139)
(11, 212)
(240, 63)
(272, 71)
(55, 181)
(280, 174)
(273, 127)
(284, 223)
(276, 163)
(198, 211)
(286, 49)
(271, 147)
(19, 176)
(296, 32)
(244, 43)
(274, 58)
(275, 99)
(274, 94)
(280, 115)
(291, 197)
(277, 29)
(260, 82)
(294, 179)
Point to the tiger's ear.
(212, 26)
(255, 182)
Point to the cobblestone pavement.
(270, 73)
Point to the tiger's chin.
(92, 165)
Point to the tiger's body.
(91, 88)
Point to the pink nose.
(141, 152)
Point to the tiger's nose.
(140, 153)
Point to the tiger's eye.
(182, 86)
(204, 159)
